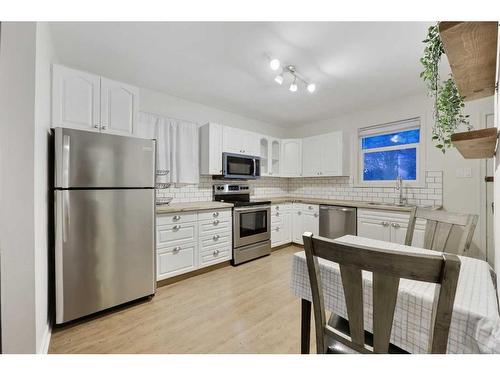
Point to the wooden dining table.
(475, 324)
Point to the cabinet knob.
(215, 214)
(277, 214)
(310, 207)
(384, 223)
(315, 215)
(103, 127)
(277, 229)
(176, 249)
(216, 222)
(216, 252)
(395, 225)
(277, 208)
(216, 237)
(96, 126)
(176, 227)
(176, 217)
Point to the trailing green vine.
(448, 104)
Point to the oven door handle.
(253, 208)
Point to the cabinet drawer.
(281, 207)
(214, 225)
(176, 218)
(216, 239)
(215, 214)
(215, 254)
(276, 217)
(173, 234)
(175, 260)
(313, 208)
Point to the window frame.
(392, 127)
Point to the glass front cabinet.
(270, 149)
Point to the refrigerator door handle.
(65, 221)
(65, 161)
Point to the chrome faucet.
(399, 187)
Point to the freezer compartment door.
(86, 159)
(104, 249)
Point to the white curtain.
(177, 147)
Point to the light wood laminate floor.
(244, 309)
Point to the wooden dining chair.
(438, 228)
(387, 268)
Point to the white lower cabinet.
(389, 226)
(188, 241)
(305, 219)
(281, 224)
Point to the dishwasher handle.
(337, 208)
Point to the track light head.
(274, 64)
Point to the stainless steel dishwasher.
(337, 221)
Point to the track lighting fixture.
(291, 70)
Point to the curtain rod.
(171, 118)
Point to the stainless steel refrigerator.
(104, 221)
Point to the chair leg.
(305, 329)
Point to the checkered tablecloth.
(475, 325)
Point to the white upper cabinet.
(119, 107)
(291, 158)
(270, 156)
(211, 149)
(311, 159)
(325, 155)
(75, 98)
(238, 141)
(81, 100)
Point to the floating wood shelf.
(476, 144)
(471, 48)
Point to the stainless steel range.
(251, 222)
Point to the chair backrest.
(387, 267)
(439, 227)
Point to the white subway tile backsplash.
(341, 188)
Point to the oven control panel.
(220, 189)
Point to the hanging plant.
(448, 104)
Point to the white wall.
(172, 106)
(25, 56)
(459, 194)
(44, 59)
(17, 114)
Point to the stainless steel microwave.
(241, 167)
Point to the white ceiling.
(225, 65)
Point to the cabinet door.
(233, 140)
(75, 99)
(399, 229)
(374, 228)
(291, 158)
(251, 144)
(286, 235)
(310, 223)
(119, 106)
(331, 154)
(297, 227)
(311, 151)
(211, 149)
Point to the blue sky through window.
(392, 139)
(388, 165)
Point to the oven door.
(251, 225)
(240, 166)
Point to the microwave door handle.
(254, 167)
